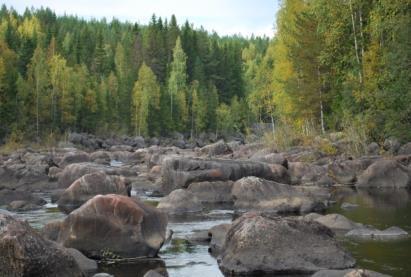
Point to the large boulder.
(180, 202)
(216, 149)
(74, 157)
(256, 244)
(74, 171)
(117, 224)
(24, 252)
(385, 174)
(259, 194)
(180, 172)
(88, 186)
(346, 172)
(218, 192)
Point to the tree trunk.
(356, 42)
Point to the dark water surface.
(381, 209)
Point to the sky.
(226, 17)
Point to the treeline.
(333, 65)
(337, 65)
(62, 73)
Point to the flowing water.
(380, 209)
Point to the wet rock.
(218, 192)
(180, 202)
(24, 252)
(256, 244)
(180, 172)
(134, 229)
(367, 233)
(21, 205)
(218, 234)
(348, 273)
(385, 174)
(88, 186)
(259, 194)
(216, 149)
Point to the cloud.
(224, 16)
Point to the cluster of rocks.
(262, 186)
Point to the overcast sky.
(224, 16)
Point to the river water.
(380, 209)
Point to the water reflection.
(381, 208)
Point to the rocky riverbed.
(135, 207)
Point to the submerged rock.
(256, 244)
(338, 222)
(367, 233)
(348, 273)
(89, 186)
(180, 202)
(117, 224)
(23, 252)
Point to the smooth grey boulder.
(385, 174)
(180, 202)
(86, 265)
(308, 174)
(257, 244)
(368, 233)
(217, 192)
(252, 193)
(24, 252)
(90, 185)
(178, 172)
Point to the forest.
(332, 65)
